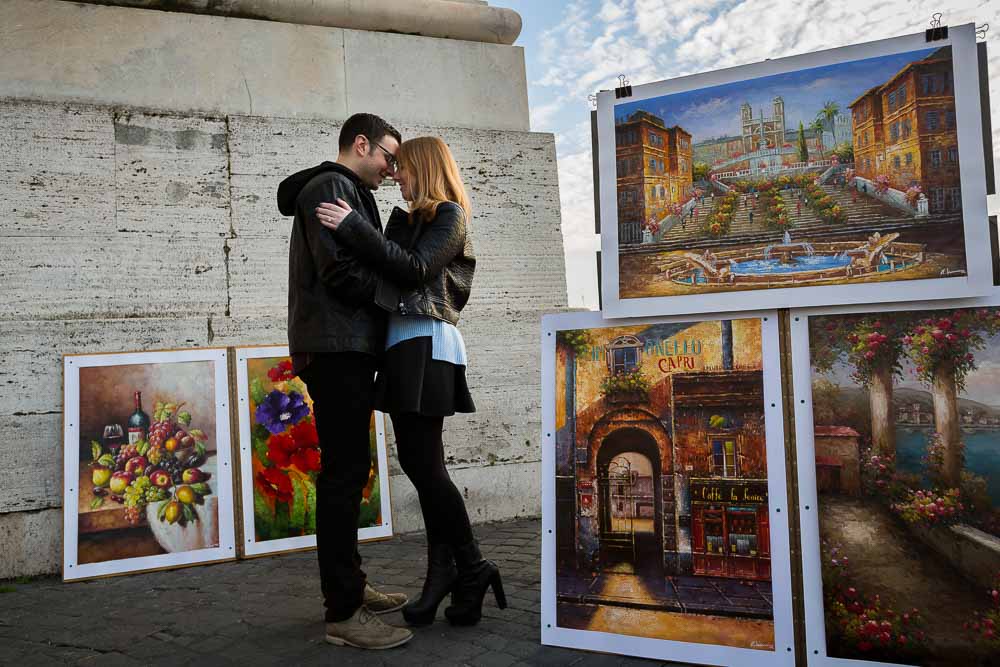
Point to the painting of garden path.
(906, 412)
(841, 174)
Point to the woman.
(426, 252)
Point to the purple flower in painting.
(280, 410)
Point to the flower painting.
(280, 458)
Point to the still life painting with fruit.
(147, 479)
(282, 460)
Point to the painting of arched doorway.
(629, 486)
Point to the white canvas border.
(812, 576)
(250, 546)
(979, 280)
(781, 582)
(73, 571)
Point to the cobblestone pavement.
(267, 611)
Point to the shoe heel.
(497, 585)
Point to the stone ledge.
(475, 21)
(973, 553)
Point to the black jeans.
(421, 455)
(342, 389)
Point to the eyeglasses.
(389, 157)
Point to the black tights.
(421, 455)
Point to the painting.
(664, 534)
(280, 459)
(829, 178)
(147, 476)
(899, 478)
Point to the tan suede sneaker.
(383, 603)
(366, 630)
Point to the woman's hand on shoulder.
(331, 215)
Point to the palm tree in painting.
(817, 126)
(827, 116)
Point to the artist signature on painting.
(762, 645)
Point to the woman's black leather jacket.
(431, 261)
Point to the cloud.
(981, 385)
(708, 108)
(612, 12)
(661, 21)
(542, 114)
(580, 243)
(821, 83)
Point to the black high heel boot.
(475, 575)
(441, 576)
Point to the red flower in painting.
(298, 447)
(275, 483)
(282, 372)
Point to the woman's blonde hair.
(434, 177)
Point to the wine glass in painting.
(113, 438)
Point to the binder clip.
(592, 99)
(981, 31)
(624, 89)
(937, 31)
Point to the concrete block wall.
(140, 215)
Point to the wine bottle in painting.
(138, 423)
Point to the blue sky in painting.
(708, 113)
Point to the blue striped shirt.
(446, 339)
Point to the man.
(335, 331)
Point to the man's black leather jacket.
(430, 260)
(331, 291)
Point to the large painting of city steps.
(842, 174)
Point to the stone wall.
(147, 220)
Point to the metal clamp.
(592, 99)
(981, 31)
(937, 31)
(624, 89)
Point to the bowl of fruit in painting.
(165, 479)
(185, 522)
(187, 516)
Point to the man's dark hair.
(370, 126)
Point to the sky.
(573, 49)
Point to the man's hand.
(331, 215)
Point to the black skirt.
(410, 380)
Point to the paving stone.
(268, 611)
(495, 659)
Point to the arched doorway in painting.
(628, 478)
